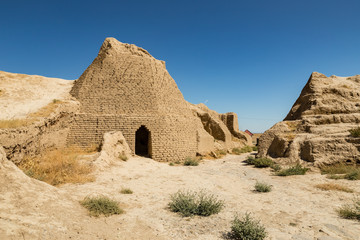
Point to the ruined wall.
(125, 88)
(172, 138)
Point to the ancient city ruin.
(126, 89)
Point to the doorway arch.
(143, 142)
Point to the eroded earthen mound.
(317, 127)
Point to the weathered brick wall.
(124, 88)
(172, 137)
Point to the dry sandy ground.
(295, 209)
(21, 94)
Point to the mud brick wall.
(125, 88)
(173, 138)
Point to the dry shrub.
(14, 123)
(189, 203)
(350, 172)
(126, 191)
(339, 168)
(58, 166)
(355, 132)
(101, 205)
(333, 186)
(191, 162)
(247, 228)
(350, 211)
(32, 117)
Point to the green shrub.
(171, 164)
(354, 175)
(126, 191)
(250, 161)
(236, 151)
(262, 187)
(334, 176)
(247, 229)
(355, 132)
(191, 162)
(101, 205)
(295, 170)
(263, 162)
(244, 149)
(190, 203)
(339, 168)
(350, 172)
(350, 211)
(259, 162)
(276, 167)
(254, 148)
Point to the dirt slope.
(21, 94)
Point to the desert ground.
(294, 209)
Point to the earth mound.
(316, 130)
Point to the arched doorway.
(143, 142)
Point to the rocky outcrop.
(316, 130)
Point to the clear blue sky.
(250, 57)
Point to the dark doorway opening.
(143, 142)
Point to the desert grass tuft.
(355, 132)
(247, 228)
(189, 203)
(191, 162)
(350, 211)
(250, 161)
(126, 191)
(295, 170)
(101, 205)
(350, 172)
(263, 162)
(259, 162)
(242, 150)
(262, 187)
(333, 186)
(58, 166)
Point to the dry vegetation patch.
(350, 211)
(333, 186)
(342, 171)
(101, 205)
(58, 166)
(247, 228)
(244, 149)
(355, 132)
(189, 203)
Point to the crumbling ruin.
(126, 89)
(316, 130)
